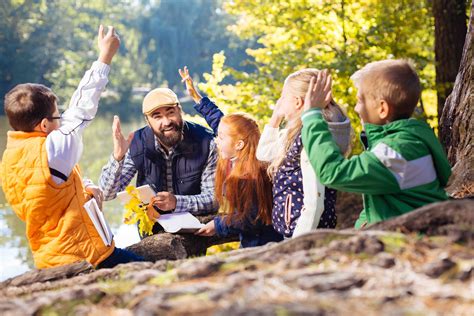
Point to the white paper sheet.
(179, 222)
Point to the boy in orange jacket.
(39, 171)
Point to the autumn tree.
(339, 35)
(450, 31)
(457, 122)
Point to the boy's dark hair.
(394, 81)
(27, 104)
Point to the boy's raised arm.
(362, 173)
(108, 44)
(64, 146)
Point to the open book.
(98, 219)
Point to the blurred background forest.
(239, 51)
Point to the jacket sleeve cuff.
(101, 68)
(219, 224)
(114, 164)
(315, 112)
(341, 133)
(181, 204)
(270, 132)
(203, 105)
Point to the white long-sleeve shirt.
(64, 145)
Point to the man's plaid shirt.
(116, 175)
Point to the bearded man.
(175, 157)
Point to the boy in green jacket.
(403, 167)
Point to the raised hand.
(108, 44)
(121, 144)
(319, 91)
(277, 116)
(185, 77)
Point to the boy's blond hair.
(394, 81)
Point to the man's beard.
(173, 136)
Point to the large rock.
(370, 272)
(454, 218)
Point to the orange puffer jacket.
(58, 228)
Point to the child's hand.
(208, 230)
(96, 193)
(277, 115)
(108, 44)
(319, 91)
(120, 143)
(185, 77)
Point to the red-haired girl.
(243, 188)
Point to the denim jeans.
(119, 256)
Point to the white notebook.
(98, 219)
(179, 222)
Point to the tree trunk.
(456, 123)
(450, 31)
(177, 246)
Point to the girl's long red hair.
(247, 185)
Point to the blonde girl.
(300, 202)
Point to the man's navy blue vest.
(189, 159)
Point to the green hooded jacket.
(404, 166)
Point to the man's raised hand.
(108, 44)
(185, 77)
(121, 144)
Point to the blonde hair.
(297, 84)
(394, 81)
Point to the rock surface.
(396, 267)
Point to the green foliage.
(339, 35)
(79, 49)
(54, 42)
(179, 33)
(28, 35)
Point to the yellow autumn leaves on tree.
(340, 35)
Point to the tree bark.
(456, 123)
(450, 31)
